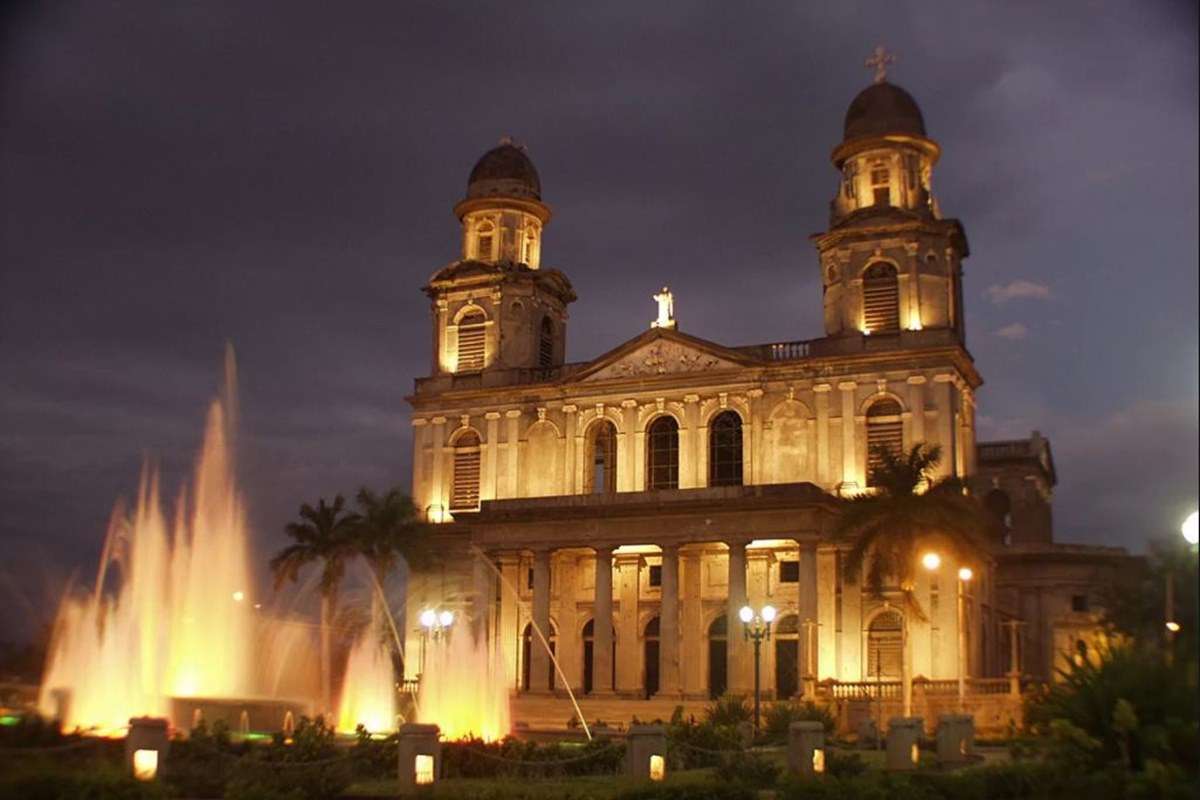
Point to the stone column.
(807, 607)
(602, 624)
(437, 480)
(539, 659)
(482, 591)
(916, 402)
(512, 442)
(740, 655)
(753, 438)
(507, 634)
(821, 401)
(827, 666)
(757, 593)
(491, 460)
(944, 398)
(569, 455)
(669, 682)
(692, 462)
(693, 638)
(849, 449)
(629, 643)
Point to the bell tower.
(889, 262)
(495, 307)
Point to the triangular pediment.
(661, 352)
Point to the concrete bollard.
(955, 738)
(868, 733)
(146, 747)
(420, 762)
(806, 748)
(646, 752)
(903, 743)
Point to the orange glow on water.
(369, 688)
(464, 689)
(165, 622)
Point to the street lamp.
(1189, 528)
(964, 576)
(756, 628)
(434, 625)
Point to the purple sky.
(175, 175)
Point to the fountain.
(369, 688)
(464, 690)
(175, 626)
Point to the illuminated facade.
(634, 502)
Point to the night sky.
(282, 175)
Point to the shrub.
(309, 766)
(729, 710)
(748, 769)
(475, 758)
(690, 792)
(692, 744)
(42, 778)
(841, 764)
(779, 716)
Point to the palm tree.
(886, 526)
(323, 534)
(389, 528)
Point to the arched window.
(465, 494)
(884, 639)
(530, 640)
(717, 653)
(881, 298)
(546, 343)
(885, 433)
(1000, 507)
(589, 663)
(471, 334)
(787, 657)
(601, 465)
(725, 450)
(662, 454)
(485, 238)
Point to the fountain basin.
(242, 715)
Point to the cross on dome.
(879, 61)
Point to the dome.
(504, 171)
(883, 108)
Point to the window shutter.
(881, 299)
(885, 429)
(465, 495)
(471, 343)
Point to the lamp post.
(434, 625)
(1191, 535)
(964, 576)
(756, 627)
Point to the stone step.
(554, 712)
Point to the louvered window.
(471, 342)
(880, 185)
(881, 299)
(885, 433)
(884, 646)
(546, 344)
(465, 496)
(662, 454)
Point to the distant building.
(637, 500)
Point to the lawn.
(582, 787)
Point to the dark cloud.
(175, 176)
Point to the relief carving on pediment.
(662, 358)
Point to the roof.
(883, 108)
(504, 171)
(1034, 449)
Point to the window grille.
(881, 298)
(789, 571)
(662, 451)
(471, 335)
(546, 344)
(465, 494)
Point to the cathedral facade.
(628, 506)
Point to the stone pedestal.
(420, 761)
(955, 738)
(903, 748)
(146, 747)
(646, 752)
(806, 748)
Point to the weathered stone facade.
(634, 502)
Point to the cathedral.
(631, 504)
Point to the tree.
(388, 528)
(323, 534)
(908, 507)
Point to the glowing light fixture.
(423, 770)
(446, 618)
(1173, 626)
(428, 618)
(746, 614)
(658, 768)
(145, 764)
(768, 613)
(931, 561)
(239, 596)
(1189, 528)
(965, 574)
(915, 754)
(818, 762)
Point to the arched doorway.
(717, 650)
(527, 644)
(787, 657)
(885, 638)
(650, 653)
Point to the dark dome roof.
(504, 171)
(883, 108)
